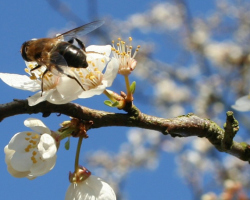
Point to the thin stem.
(78, 153)
(129, 94)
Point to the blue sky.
(23, 20)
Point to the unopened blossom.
(85, 186)
(31, 153)
(60, 89)
(123, 53)
(93, 188)
(242, 104)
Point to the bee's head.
(24, 50)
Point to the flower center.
(33, 140)
(50, 80)
(124, 54)
(90, 77)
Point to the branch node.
(231, 127)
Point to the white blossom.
(31, 153)
(242, 104)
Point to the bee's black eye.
(24, 50)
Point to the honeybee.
(57, 55)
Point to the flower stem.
(78, 153)
(129, 94)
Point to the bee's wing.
(59, 66)
(82, 30)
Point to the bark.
(181, 126)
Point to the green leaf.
(111, 104)
(67, 144)
(108, 103)
(132, 87)
(115, 104)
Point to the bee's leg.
(70, 76)
(37, 67)
(71, 41)
(80, 43)
(42, 80)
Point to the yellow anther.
(27, 139)
(33, 159)
(130, 39)
(28, 133)
(34, 153)
(92, 77)
(36, 136)
(119, 39)
(33, 76)
(31, 66)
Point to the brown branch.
(182, 126)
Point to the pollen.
(33, 159)
(36, 136)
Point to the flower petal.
(92, 92)
(42, 167)
(242, 104)
(111, 71)
(37, 98)
(22, 82)
(93, 188)
(99, 51)
(18, 141)
(36, 125)
(21, 161)
(47, 146)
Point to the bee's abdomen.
(74, 56)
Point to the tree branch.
(182, 126)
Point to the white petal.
(36, 125)
(8, 154)
(42, 167)
(242, 104)
(111, 71)
(21, 161)
(22, 82)
(101, 50)
(69, 88)
(101, 188)
(47, 146)
(92, 92)
(37, 98)
(93, 188)
(18, 141)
